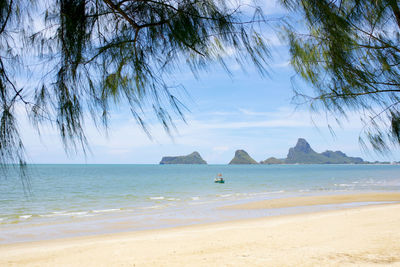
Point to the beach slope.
(358, 236)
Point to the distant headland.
(242, 157)
(193, 158)
(301, 153)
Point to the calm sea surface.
(109, 198)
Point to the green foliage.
(272, 160)
(338, 157)
(303, 153)
(350, 54)
(99, 54)
(193, 158)
(242, 157)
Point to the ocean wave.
(195, 198)
(153, 207)
(173, 199)
(156, 198)
(201, 202)
(51, 215)
(105, 210)
(343, 185)
(225, 195)
(58, 214)
(77, 213)
(25, 216)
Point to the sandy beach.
(362, 236)
(317, 200)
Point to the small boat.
(219, 179)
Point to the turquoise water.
(164, 195)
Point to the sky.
(225, 113)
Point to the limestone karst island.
(301, 153)
(193, 158)
(242, 157)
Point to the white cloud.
(274, 40)
(220, 148)
(259, 132)
(247, 6)
(222, 113)
(253, 113)
(282, 64)
(272, 123)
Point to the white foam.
(156, 198)
(106, 210)
(25, 216)
(76, 213)
(64, 214)
(172, 199)
(59, 212)
(195, 198)
(152, 207)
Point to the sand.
(318, 200)
(363, 236)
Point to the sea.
(74, 200)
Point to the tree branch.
(122, 13)
(337, 95)
(8, 16)
(396, 11)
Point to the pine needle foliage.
(350, 54)
(99, 54)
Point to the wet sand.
(362, 236)
(317, 200)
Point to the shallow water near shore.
(70, 200)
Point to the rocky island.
(272, 160)
(302, 153)
(193, 158)
(242, 157)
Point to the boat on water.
(219, 179)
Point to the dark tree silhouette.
(97, 54)
(350, 54)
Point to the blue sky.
(241, 111)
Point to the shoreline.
(357, 236)
(115, 223)
(304, 201)
(349, 235)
